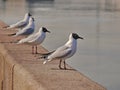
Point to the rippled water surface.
(98, 55)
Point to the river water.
(98, 55)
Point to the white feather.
(34, 39)
(65, 51)
(30, 27)
(21, 22)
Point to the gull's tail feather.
(20, 41)
(9, 27)
(6, 26)
(12, 34)
(45, 56)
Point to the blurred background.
(98, 21)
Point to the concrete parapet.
(19, 70)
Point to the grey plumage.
(29, 29)
(21, 24)
(63, 52)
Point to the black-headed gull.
(29, 29)
(35, 39)
(63, 52)
(22, 23)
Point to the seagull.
(29, 29)
(63, 52)
(21, 24)
(35, 39)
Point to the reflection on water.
(34, 5)
(98, 22)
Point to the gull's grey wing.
(61, 52)
(29, 38)
(21, 24)
(25, 31)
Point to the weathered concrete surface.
(19, 70)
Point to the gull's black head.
(76, 36)
(29, 14)
(45, 30)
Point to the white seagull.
(63, 52)
(35, 39)
(29, 29)
(21, 23)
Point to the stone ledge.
(19, 70)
